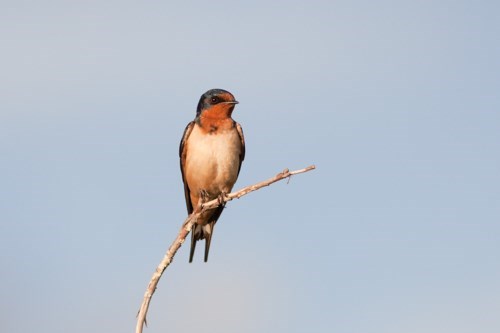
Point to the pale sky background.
(397, 103)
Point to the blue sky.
(396, 103)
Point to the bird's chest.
(212, 160)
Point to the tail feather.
(194, 239)
(198, 233)
(205, 232)
(208, 239)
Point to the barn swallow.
(211, 152)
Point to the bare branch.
(186, 228)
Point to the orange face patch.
(218, 111)
(226, 96)
(212, 124)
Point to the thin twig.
(186, 228)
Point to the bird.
(211, 152)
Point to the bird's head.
(216, 103)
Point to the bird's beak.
(232, 102)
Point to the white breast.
(212, 160)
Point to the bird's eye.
(214, 100)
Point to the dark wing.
(242, 139)
(182, 155)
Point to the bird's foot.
(222, 198)
(204, 196)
